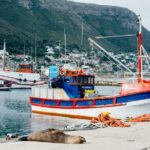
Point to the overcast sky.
(141, 7)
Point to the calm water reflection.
(14, 111)
(15, 115)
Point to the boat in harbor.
(71, 93)
(23, 77)
(5, 85)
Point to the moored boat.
(71, 93)
(23, 77)
(67, 99)
(5, 85)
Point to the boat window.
(66, 80)
(83, 80)
(74, 80)
(91, 80)
(86, 80)
(30, 66)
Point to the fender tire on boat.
(20, 79)
(25, 80)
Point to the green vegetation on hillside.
(19, 24)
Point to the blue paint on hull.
(88, 103)
(133, 97)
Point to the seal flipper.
(24, 138)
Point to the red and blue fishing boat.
(71, 93)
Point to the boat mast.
(139, 35)
(59, 51)
(82, 28)
(35, 52)
(4, 51)
(65, 43)
(24, 50)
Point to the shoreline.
(136, 137)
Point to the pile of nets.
(84, 126)
(142, 118)
(105, 118)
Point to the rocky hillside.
(45, 20)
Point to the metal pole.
(35, 50)
(140, 66)
(82, 35)
(4, 51)
(103, 50)
(59, 51)
(24, 49)
(115, 36)
(65, 43)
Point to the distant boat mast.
(65, 43)
(4, 52)
(59, 51)
(35, 50)
(82, 28)
(24, 49)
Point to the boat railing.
(45, 92)
(74, 103)
(121, 77)
(106, 101)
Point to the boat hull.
(21, 78)
(119, 106)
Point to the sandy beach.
(136, 137)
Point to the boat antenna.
(139, 48)
(4, 52)
(65, 43)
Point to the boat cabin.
(28, 68)
(75, 86)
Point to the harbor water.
(16, 116)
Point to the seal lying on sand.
(54, 136)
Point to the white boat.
(23, 77)
(5, 85)
(72, 94)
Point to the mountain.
(27, 21)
